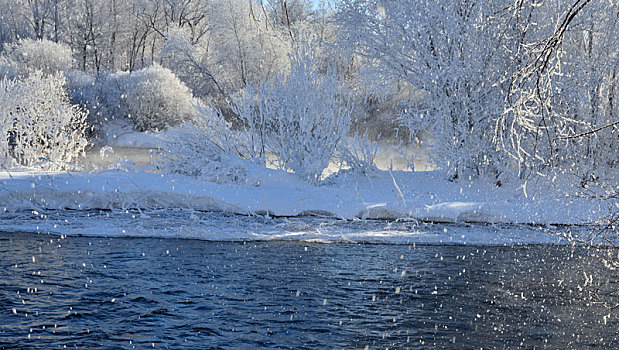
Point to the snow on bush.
(86, 91)
(156, 98)
(102, 95)
(204, 147)
(28, 55)
(300, 116)
(152, 98)
(40, 124)
(359, 154)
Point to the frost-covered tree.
(190, 62)
(28, 55)
(12, 27)
(561, 112)
(560, 108)
(498, 88)
(230, 41)
(38, 19)
(238, 46)
(44, 127)
(449, 55)
(299, 115)
(287, 14)
(244, 47)
(128, 35)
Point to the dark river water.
(89, 292)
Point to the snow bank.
(422, 196)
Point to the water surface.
(91, 292)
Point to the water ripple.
(97, 292)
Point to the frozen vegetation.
(284, 108)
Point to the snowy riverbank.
(423, 196)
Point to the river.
(169, 293)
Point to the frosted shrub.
(152, 98)
(359, 154)
(102, 95)
(300, 116)
(28, 55)
(111, 95)
(40, 123)
(155, 98)
(204, 148)
(87, 91)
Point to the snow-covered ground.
(424, 196)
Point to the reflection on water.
(166, 293)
